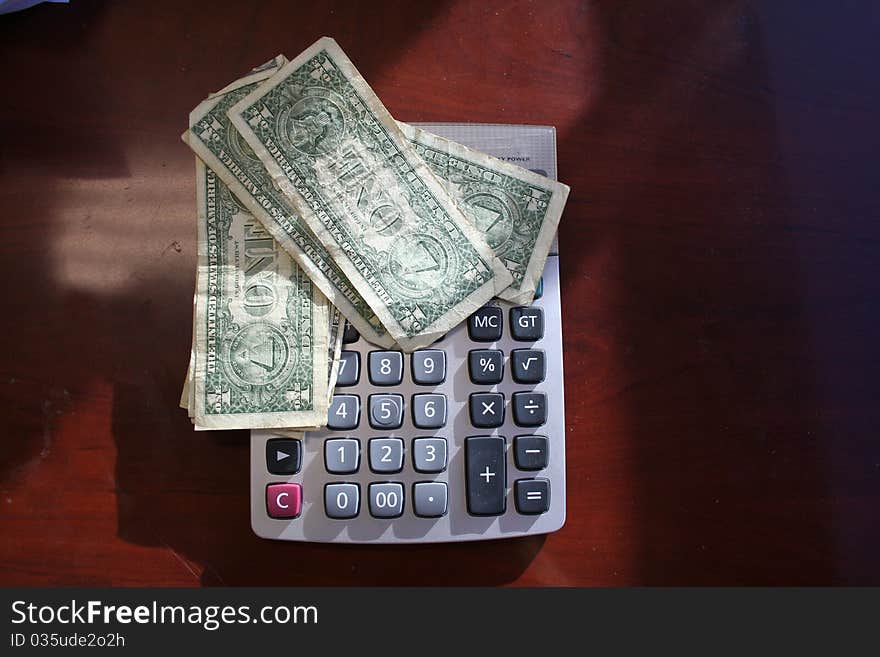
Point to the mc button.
(485, 325)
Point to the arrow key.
(283, 456)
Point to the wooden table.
(720, 273)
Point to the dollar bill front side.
(333, 359)
(515, 209)
(332, 148)
(221, 147)
(262, 327)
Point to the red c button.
(284, 500)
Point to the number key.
(344, 413)
(386, 411)
(342, 501)
(349, 369)
(386, 455)
(429, 455)
(428, 366)
(429, 411)
(342, 455)
(386, 368)
(386, 500)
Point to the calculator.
(460, 441)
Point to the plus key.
(486, 475)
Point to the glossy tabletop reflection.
(719, 266)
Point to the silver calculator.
(460, 441)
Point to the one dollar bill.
(220, 146)
(262, 328)
(330, 145)
(335, 331)
(334, 354)
(516, 210)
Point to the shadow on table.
(713, 363)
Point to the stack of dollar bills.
(314, 207)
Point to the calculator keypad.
(488, 390)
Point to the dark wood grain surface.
(719, 264)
